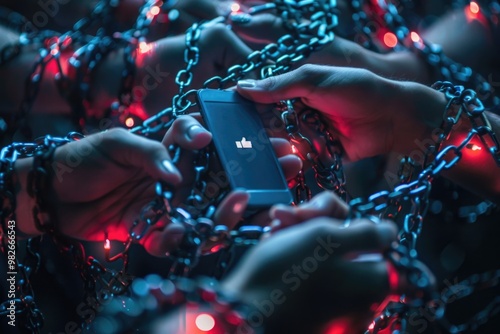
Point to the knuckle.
(179, 124)
(319, 227)
(216, 31)
(115, 135)
(311, 75)
(372, 234)
(269, 83)
(313, 71)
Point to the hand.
(334, 286)
(260, 29)
(102, 182)
(264, 28)
(370, 114)
(312, 264)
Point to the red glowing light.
(338, 326)
(390, 39)
(216, 248)
(155, 10)
(415, 37)
(205, 322)
(474, 147)
(393, 277)
(54, 51)
(372, 326)
(472, 12)
(235, 7)
(294, 150)
(129, 122)
(67, 42)
(145, 47)
(474, 7)
(107, 244)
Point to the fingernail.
(275, 225)
(169, 167)
(282, 212)
(246, 84)
(194, 130)
(314, 204)
(241, 19)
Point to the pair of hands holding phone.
(120, 169)
(117, 171)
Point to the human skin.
(373, 115)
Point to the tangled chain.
(386, 14)
(461, 102)
(310, 27)
(52, 46)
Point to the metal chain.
(287, 51)
(465, 288)
(311, 24)
(180, 102)
(284, 54)
(30, 315)
(371, 16)
(291, 48)
(93, 49)
(462, 103)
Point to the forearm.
(463, 32)
(477, 170)
(417, 128)
(395, 65)
(466, 38)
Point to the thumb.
(132, 151)
(298, 83)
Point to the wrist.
(406, 65)
(418, 115)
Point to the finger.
(291, 165)
(130, 150)
(231, 209)
(160, 242)
(262, 28)
(363, 236)
(281, 146)
(298, 83)
(188, 133)
(326, 204)
(197, 116)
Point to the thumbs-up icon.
(244, 143)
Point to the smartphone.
(243, 147)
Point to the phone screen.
(243, 146)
